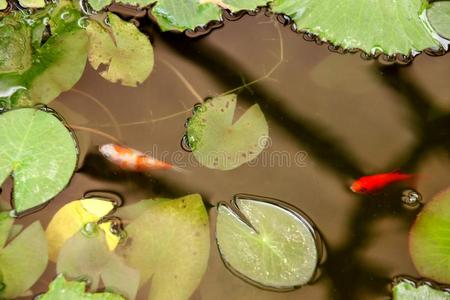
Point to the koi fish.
(377, 182)
(134, 160)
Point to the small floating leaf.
(21, 265)
(125, 51)
(88, 257)
(439, 16)
(217, 142)
(32, 3)
(274, 247)
(39, 152)
(387, 26)
(60, 288)
(170, 245)
(72, 217)
(408, 291)
(430, 239)
(99, 4)
(3, 4)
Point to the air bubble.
(411, 198)
(185, 143)
(13, 214)
(90, 230)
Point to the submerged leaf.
(408, 291)
(439, 16)
(21, 265)
(60, 288)
(217, 142)
(72, 217)
(274, 247)
(39, 152)
(88, 257)
(125, 51)
(429, 239)
(170, 245)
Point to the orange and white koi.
(133, 160)
(373, 183)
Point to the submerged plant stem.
(104, 108)
(95, 131)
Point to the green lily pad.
(60, 288)
(169, 244)
(217, 142)
(3, 4)
(39, 152)
(406, 290)
(88, 256)
(439, 17)
(57, 65)
(384, 26)
(32, 3)
(99, 4)
(267, 244)
(125, 51)
(429, 239)
(21, 265)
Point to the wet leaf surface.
(430, 239)
(273, 247)
(125, 51)
(60, 288)
(72, 217)
(439, 16)
(170, 245)
(219, 142)
(39, 152)
(88, 256)
(21, 265)
(407, 291)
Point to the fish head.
(107, 150)
(358, 187)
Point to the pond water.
(332, 118)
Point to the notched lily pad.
(439, 16)
(21, 265)
(217, 142)
(169, 244)
(73, 217)
(429, 239)
(125, 51)
(40, 154)
(407, 289)
(267, 242)
(60, 288)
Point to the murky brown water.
(345, 116)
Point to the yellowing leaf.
(72, 217)
(125, 51)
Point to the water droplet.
(13, 213)
(90, 230)
(411, 198)
(83, 22)
(185, 143)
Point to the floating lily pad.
(406, 290)
(21, 265)
(99, 4)
(267, 244)
(219, 143)
(60, 288)
(125, 51)
(439, 16)
(86, 255)
(3, 4)
(57, 65)
(430, 239)
(32, 3)
(170, 245)
(39, 152)
(72, 217)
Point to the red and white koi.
(133, 160)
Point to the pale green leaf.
(125, 52)
(3, 4)
(32, 3)
(60, 289)
(386, 26)
(217, 142)
(429, 239)
(274, 247)
(169, 244)
(439, 16)
(99, 4)
(23, 261)
(89, 257)
(407, 291)
(39, 152)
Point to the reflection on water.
(352, 117)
